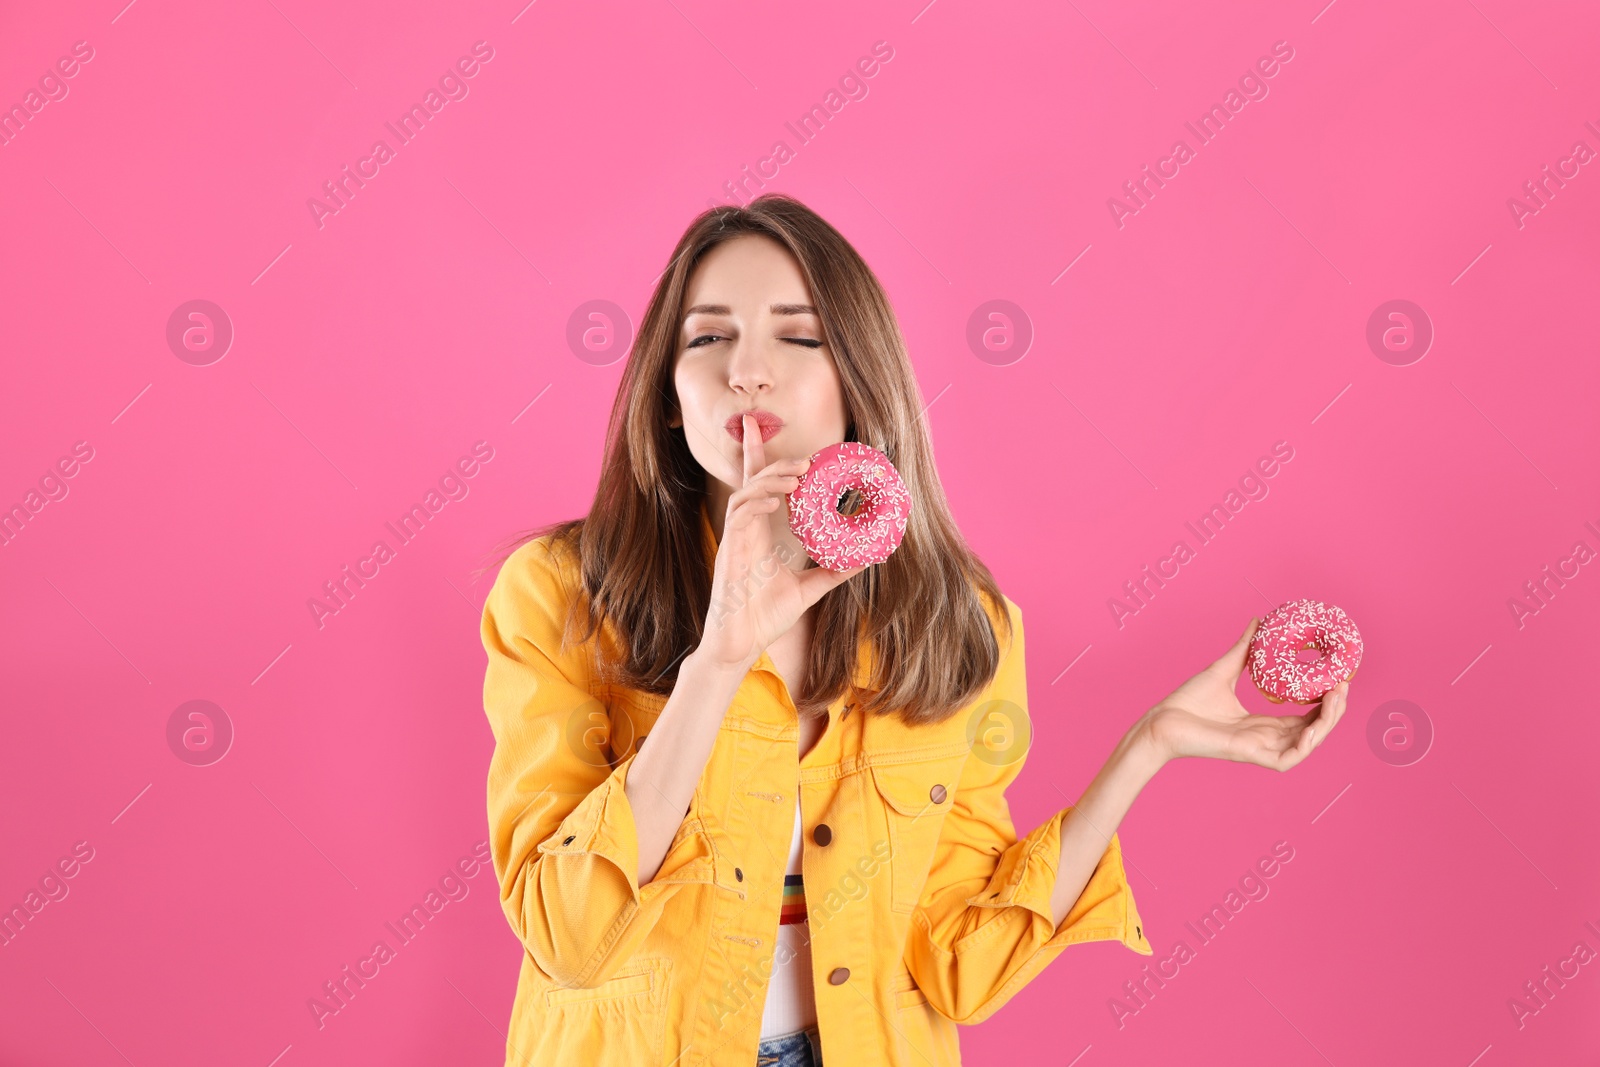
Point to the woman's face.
(750, 339)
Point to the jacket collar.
(866, 656)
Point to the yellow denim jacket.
(925, 909)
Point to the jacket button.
(937, 793)
(822, 834)
(569, 841)
(737, 873)
(838, 975)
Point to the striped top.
(794, 900)
(791, 1001)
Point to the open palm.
(1203, 717)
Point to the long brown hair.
(642, 562)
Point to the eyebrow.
(776, 309)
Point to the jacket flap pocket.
(633, 714)
(636, 698)
(926, 787)
(638, 980)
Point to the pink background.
(432, 310)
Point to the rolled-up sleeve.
(984, 927)
(561, 828)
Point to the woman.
(812, 853)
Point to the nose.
(749, 368)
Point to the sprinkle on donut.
(870, 535)
(1274, 661)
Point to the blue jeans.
(803, 1048)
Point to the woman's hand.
(759, 589)
(1203, 717)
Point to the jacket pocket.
(922, 1037)
(620, 1021)
(915, 796)
(633, 714)
(907, 994)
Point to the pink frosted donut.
(1274, 660)
(837, 541)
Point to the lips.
(770, 424)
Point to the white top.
(791, 1003)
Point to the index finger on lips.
(755, 453)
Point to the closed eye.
(808, 342)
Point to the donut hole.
(850, 502)
(1307, 654)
